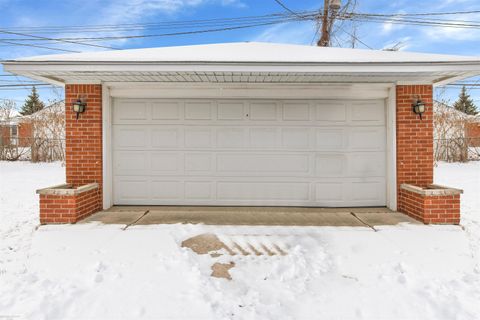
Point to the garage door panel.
(328, 193)
(263, 111)
(263, 191)
(330, 139)
(131, 137)
(263, 138)
(299, 111)
(371, 112)
(131, 110)
(231, 137)
(368, 192)
(198, 190)
(164, 137)
(166, 190)
(370, 164)
(198, 163)
(230, 110)
(168, 110)
(372, 138)
(296, 138)
(131, 162)
(165, 163)
(249, 152)
(330, 111)
(198, 110)
(128, 190)
(330, 165)
(198, 138)
(260, 164)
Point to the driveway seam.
(363, 222)
(134, 222)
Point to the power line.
(423, 13)
(280, 3)
(356, 38)
(268, 20)
(82, 28)
(167, 34)
(61, 40)
(37, 46)
(411, 22)
(168, 22)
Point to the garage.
(248, 124)
(249, 152)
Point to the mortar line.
(365, 223)
(138, 219)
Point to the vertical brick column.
(84, 137)
(414, 137)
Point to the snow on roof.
(57, 107)
(443, 108)
(250, 52)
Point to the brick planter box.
(67, 204)
(431, 205)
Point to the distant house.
(37, 137)
(472, 131)
(15, 130)
(455, 133)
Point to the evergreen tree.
(465, 103)
(32, 103)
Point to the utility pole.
(330, 9)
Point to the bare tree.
(450, 141)
(48, 128)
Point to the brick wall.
(431, 209)
(25, 134)
(4, 135)
(473, 133)
(56, 208)
(84, 136)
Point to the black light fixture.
(419, 107)
(79, 106)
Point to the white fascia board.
(347, 68)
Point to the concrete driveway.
(255, 216)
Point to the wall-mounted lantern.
(419, 107)
(79, 106)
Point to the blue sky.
(19, 14)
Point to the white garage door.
(255, 152)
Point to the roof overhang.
(246, 63)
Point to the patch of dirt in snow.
(220, 270)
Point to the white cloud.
(134, 10)
(448, 34)
(298, 33)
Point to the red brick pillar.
(415, 194)
(414, 137)
(84, 137)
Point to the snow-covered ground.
(102, 272)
